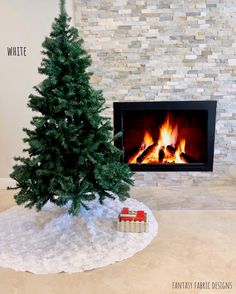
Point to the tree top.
(62, 6)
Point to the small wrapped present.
(132, 221)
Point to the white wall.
(22, 23)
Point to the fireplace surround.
(166, 136)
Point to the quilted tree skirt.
(52, 241)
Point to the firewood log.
(147, 152)
(131, 153)
(171, 149)
(161, 155)
(188, 158)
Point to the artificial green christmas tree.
(71, 156)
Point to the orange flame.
(180, 149)
(147, 139)
(168, 134)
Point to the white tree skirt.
(52, 241)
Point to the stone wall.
(149, 50)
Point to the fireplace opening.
(166, 135)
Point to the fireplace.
(166, 136)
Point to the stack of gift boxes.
(132, 221)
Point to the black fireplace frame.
(210, 106)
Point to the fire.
(169, 148)
(180, 149)
(147, 139)
(168, 134)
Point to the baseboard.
(6, 182)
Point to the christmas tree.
(70, 150)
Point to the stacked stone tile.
(148, 50)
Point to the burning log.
(161, 155)
(188, 158)
(148, 151)
(171, 149)
(131, 154)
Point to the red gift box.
(129, 215)
(132, 221)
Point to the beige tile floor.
(191, 246)
(210, 197)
